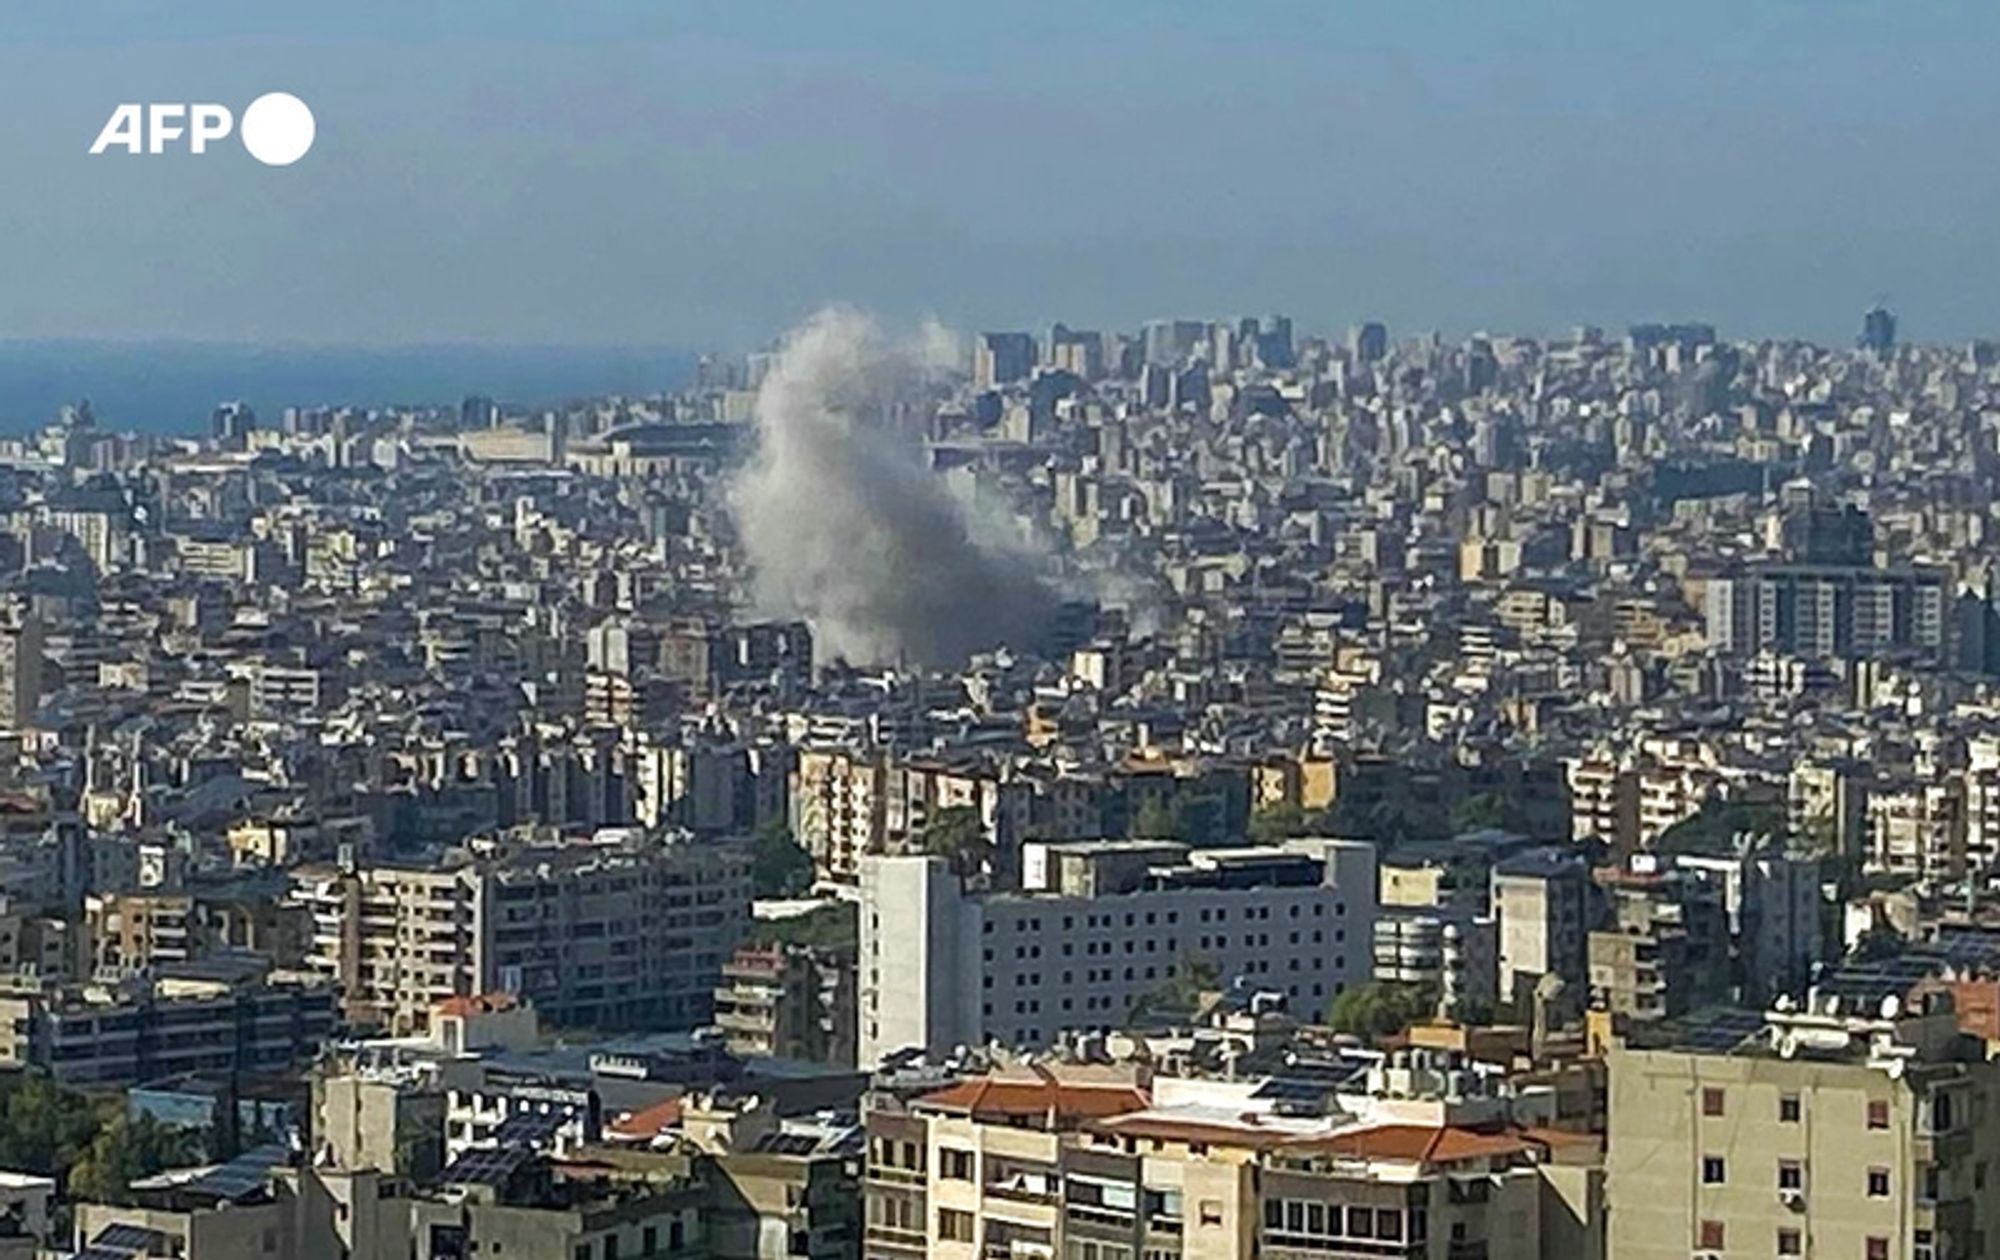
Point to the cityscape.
(1212, 789)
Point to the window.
(1211, 1211)
(1878, 1249)
(954, 1226)
(611, 1247)
(1712, 1171)
(1791, 1175)
(1788, 1109)
(1878, 1114)
(1711, 1102)
(1788, 1243)
(955, 1165)
(1709, 1236)
(1360, 1222)
(1878, 1183)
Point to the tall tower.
(1878, 329)
(21, 672)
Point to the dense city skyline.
(1138, 630)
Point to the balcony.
(1019, 1192)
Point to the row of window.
(1312, 1219)
(1093, 949)
(1150, 918)
(1714, 1102)
(1791, 1176)
(1712, 1236)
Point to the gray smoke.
(846, 528)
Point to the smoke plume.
(846, 528)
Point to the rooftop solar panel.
(487, 1166)
(244, 1175)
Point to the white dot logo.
(277, 128)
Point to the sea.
(172, 388)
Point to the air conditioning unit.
(1793, 1199)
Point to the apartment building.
(1604, 802)
(1916, 828)
(128, 933)
(838, 803)
(847, 804)
(621, 930)
(1542, 901)
(1818, 1130)
(396, 939)
(1829, 610)
(788, 1002)
(1064, 1163)
(223, 1020)
(1098, 927)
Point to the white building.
(1101, 925)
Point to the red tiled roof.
(986, 1097)
(1417, 1143)
(648, 1122)
(477, 1004)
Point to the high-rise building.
(1000, 358)
(1368, 342)
(1824, 1131)
(1098, 927)
(1274, 342)
(1828, 611)
(620, 931)
(1878, 329)
(1168, 341)
(1077, 351)
(234, 422)
(21, 672)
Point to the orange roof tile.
(986, 1097)
(648, 1122)
(1417, 1143)
(477, 1004)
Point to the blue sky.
(685, 173)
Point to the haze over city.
(704, 175)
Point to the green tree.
(123, 1151)
(835, 927)
(43, 1126)
(1713, 828)
(1380, 1009)
(778, 866)
(958, 836)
